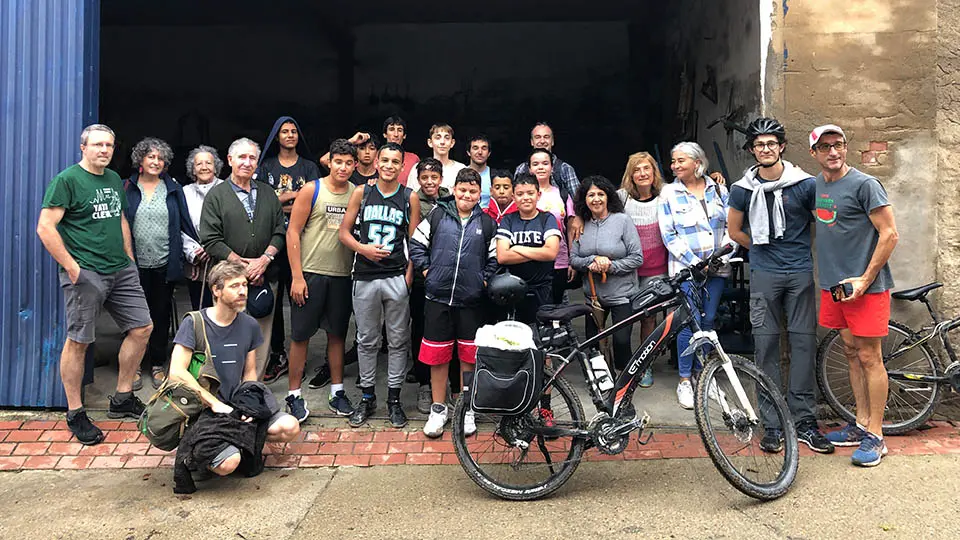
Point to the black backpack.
(507, 382)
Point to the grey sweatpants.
(374, 302)
(771, 297)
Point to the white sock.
(294, 393)
(334, 388)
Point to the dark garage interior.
(612, 77)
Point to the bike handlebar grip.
(727, 249)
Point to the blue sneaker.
(647, 380)
(298, 408)
(850, 435)
(340, 404)
(871, 451)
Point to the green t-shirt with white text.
(90, 228)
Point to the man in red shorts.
(856, 234)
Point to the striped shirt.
(690, 232)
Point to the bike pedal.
(644, 420)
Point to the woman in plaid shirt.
(693, 223)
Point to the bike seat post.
(930, 310)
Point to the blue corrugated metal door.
(48, 92)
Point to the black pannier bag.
(507, 382)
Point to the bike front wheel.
(732, 438)
(505, 457)
(910, 403)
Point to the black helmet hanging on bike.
(506, 289)
(764, 126)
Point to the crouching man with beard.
(232, 337)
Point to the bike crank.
(611, 435)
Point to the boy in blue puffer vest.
(454, 249)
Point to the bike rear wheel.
(909, 403)
(733, 440)
(494, 459)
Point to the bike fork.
(703, 338)
(727, 364)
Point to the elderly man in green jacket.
(242, 221)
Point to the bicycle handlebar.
(689, 272)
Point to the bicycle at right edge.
(915, 374)
(524, 457)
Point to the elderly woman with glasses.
(203, 168)
(693, 224)
(157, 213)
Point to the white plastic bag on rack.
(506, 335)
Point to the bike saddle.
(562, 313)
(916, 293)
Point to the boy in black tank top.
(386, 215)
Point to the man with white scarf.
(778, 199)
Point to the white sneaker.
(469, 423)
(685, 394)
(438, 418)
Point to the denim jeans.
(710, 296)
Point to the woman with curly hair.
(203, 168)
(157, 213)
(609, 248)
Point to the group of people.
(407, 246)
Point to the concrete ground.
(905, 497)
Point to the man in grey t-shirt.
(856, 234)
(233, 338)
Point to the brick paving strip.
(47, 444)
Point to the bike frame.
(679, 315)
(940, 330)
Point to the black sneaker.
(84, 430)
(340, 404)
(298, 408)
(808, 434)
(398, 418)
(277, 366)
(131, 407)
(322, 378)
(364, 410)
(351, 356)
(772, 441)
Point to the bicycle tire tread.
(791, 448)
(554, 483)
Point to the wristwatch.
(268, 255)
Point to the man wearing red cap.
(856, 234)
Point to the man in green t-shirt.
(83, 227)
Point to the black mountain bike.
(917, 379)
(522, 457)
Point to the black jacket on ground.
(210, 433)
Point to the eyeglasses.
(823, 148)
(758, 146)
